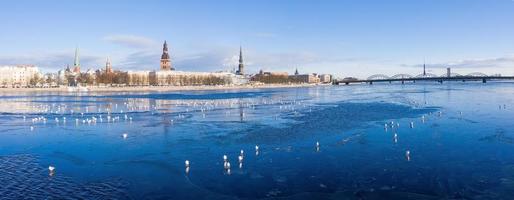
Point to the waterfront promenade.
(151, 88)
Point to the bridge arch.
(378, 77)
(477, 74)
(451, 75)
(401, 76)
(427, 75)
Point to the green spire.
(76, 62)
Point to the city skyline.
(344, 39)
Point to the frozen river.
(421, 141)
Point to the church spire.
(76, 63)
(108, 66)
(240, 70)
(240, 55)
(424, 68)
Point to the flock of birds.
(392, 125)
(114, 113)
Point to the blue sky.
(345, 38)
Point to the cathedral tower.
(165, 58)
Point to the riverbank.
(150, 88)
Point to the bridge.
(476, 76)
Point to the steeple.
(76, 63)
(424, 68)
(296, 71)
(240, 70)
(165, 58)
(108, 66)
(240, 55)
(165, 47)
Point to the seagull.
(226, 165)
(125, 135)
(187, 163)
(225, 158)
(51, 169)
(407, 155)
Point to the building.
(69, 76)
(167, 75)
(307, 78)
(76, 63)
(181, 78)
(63, 76)
(325, 78)
(165, 59)
(240, 68)
(19, 76)
(138, 78)
(278, 74)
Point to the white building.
(193, 78)
(61, 77)
(138, 77)
(18, 76)
(325, 78)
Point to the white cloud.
(499, 62)
(226, 58)
(131, 41)
(51, 62)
